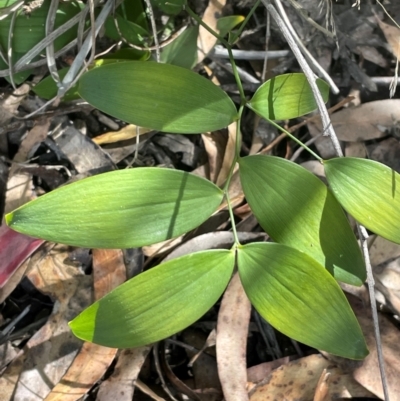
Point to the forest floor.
(44, 285)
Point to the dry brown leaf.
(121, 384)
(382, 251)
(215, 145)
(36, 135)
(298, 380)
(232, 330)
(47, 355)
(366, 372)
(321, 392)
(259, 372)
(206, 41)
(369, 121)
(9, 106)
(108, 270)
(386, 151)
(128, 132)
(315, 167)
(203, 363)
(229, 155)
(159, 248)
(392, 35)
(386, 263)
(387, 281)
(355, 149)
(92, 360)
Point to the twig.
(221, 52)
(363, 236)
(267, 38)
(327, 125)
(75, 71)
(9, 51)
(38, 48)
(154, 29)
(304, 50)
(329, 129)
(51, 61)
(299, 125)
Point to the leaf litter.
(47, 362)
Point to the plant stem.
(328, 128)
(327, 125)
(304, 146)
(244, 23)
(228, 48)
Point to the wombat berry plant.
(292, 282)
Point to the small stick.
(330, 131)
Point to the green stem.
(244, 23)
(204, 25)
(237, 150)
(295, 139)
(230, 174)
(236, 75)
(226, 44)
(232, 217)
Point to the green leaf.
(286, 96)
(171, 7)
(120, 209)
(226, 24)
(130, 31)
(30, 30)
(157, 303)
(300, 298)
(47, 88)
(183, 50)
(18, 77)
(126, 54)
(295, 208)
(7, 3)
(369, 191)
(158, 96)
(133, 11)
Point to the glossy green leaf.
(297, 296)
(369, 191)
(18, 77)
(286, 96)
(171, 7)
(30, 30)
(295, 208)
(157, 303)
(129, 31)
(120, 209)
(134, 11)
(127, 54)
(158, 96)
(7, 3)
(47, 88)
(226, 24)
(183, 50)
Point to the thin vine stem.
(238, 141)
(228, 48)
(304, 146)
(244, 23)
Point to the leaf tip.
(9, 217)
